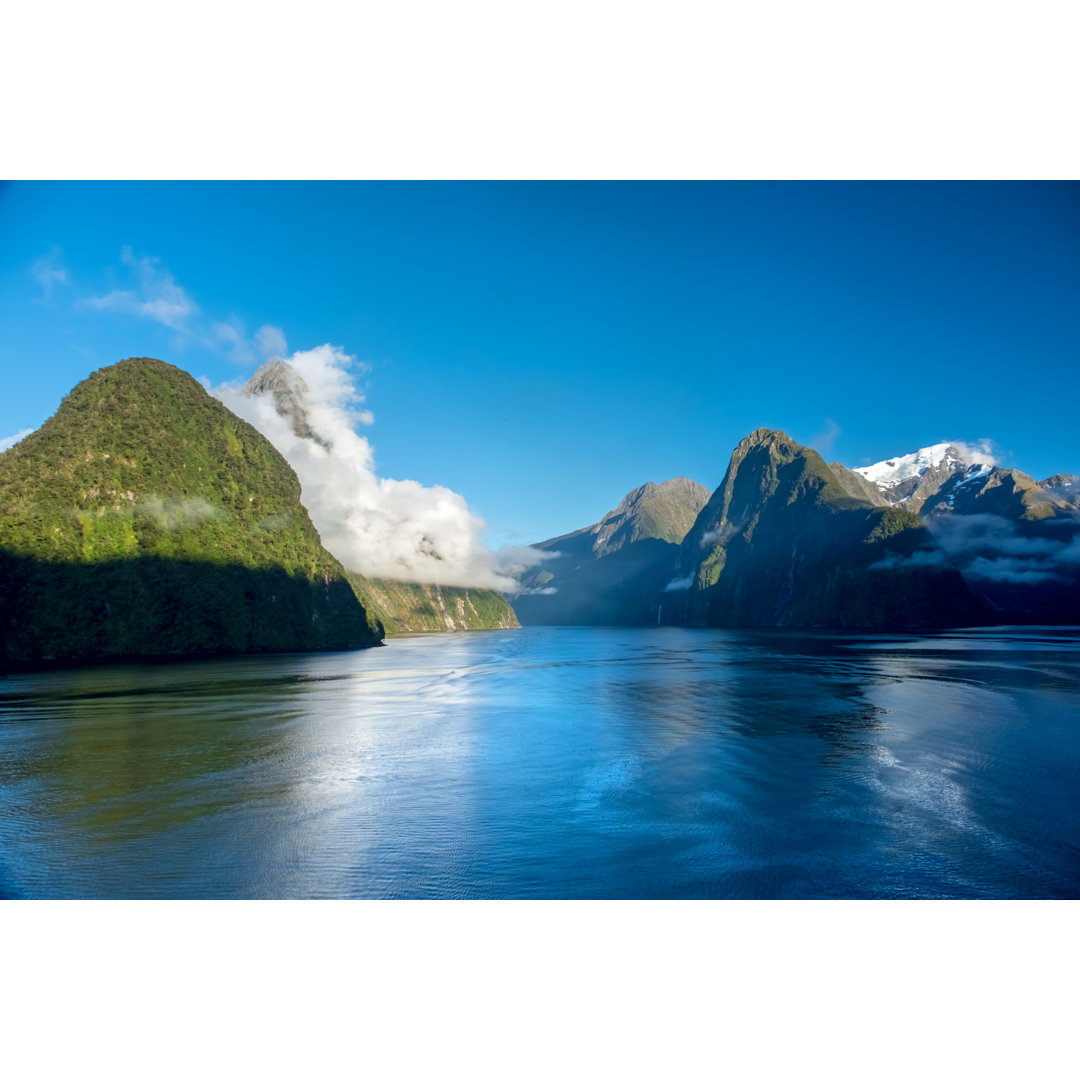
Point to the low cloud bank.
(992, 548)
(987, 547)
(679, 584)
(174, 512)
(374, 525)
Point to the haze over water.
(556, 763)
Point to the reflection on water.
(556, 763)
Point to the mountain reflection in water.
(551, 763)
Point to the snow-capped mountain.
(914, 478)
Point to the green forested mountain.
(784, 542)
(407, 606)
(144, 518)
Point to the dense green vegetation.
(405, 606)
(783, 543)
(145, 518)
(785, 540)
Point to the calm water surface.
(556, 763)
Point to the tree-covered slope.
(783, 542)
(409, 606)
(144, 518)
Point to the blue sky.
(543, 348)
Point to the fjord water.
(556, 763)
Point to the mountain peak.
(653, 511)
(913, 478)
(893, 471)
(766, 437)
(144, 518)
(286, 386)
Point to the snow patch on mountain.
(950, 455)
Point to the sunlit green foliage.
(145, 477)
(405, 606)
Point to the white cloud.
(822, 442)
(155, 295)
(9, 441)
(231, 338)
(980, 452)
(992, 548)
(174, 512)
(379, 527)
(925, 557)
(270, 341)
(679, 584)
(48, 272)
(1015, 571)
(152, 293)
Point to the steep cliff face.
(988, 489)
(407, 606)
(782, 542)
(613, 572)
(144, 518)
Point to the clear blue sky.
(543, 348)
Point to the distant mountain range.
(939, 537)
(146, 519)
(612, 572)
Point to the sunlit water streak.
(556, 763)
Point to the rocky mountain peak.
(664, 511)
(990, 489)
(770, 438)
(287, 388)
(1064, 486)
(910, 479)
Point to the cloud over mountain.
(377, 526)
(992, 548)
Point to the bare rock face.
(989, 489)
(1065, 487)
(287, 388)
(857, 486)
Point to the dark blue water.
(556, 763)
